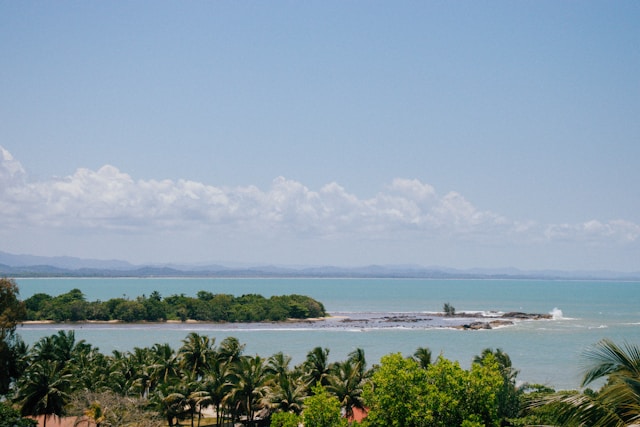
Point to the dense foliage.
(616, 404)
(206, 306)
(10, 417)
(321, 409)
(404, 394)
(162, 385)
(12, 311)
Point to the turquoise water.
(546, 351)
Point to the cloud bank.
(110, 201)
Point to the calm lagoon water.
(544, 351)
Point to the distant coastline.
(371, 272)
(30, 266)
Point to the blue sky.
(463, 134)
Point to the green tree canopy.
(12, 311)
(206, 306)
(322, 409)
(44, 389)
(404, 394)
(10, 417)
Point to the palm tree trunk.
(249, 412)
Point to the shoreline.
(343, 320)
(166, 322)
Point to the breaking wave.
(556, 314)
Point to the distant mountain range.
(12, 265)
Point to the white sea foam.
(598, 327)
(556, 314)
(492, 313)
(501, 326)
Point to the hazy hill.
(63, 262)
(12, 265)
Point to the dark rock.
(474, 326)
(520, 315)
(495, 323)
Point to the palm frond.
(607, 357)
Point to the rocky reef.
(460, 320)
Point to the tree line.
(164, 386)
(72, 306)
(160, 385)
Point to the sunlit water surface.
(544, 351)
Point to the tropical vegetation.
(72, 306)
(203, 382)
(203, 379)
(616, 403)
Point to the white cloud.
(11, 171)
(109, 199)
(595, 231)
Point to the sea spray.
(556, 314)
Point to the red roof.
(358, 415)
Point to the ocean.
(543, 351)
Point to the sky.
(462, 134)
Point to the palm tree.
(44, 389)
(317, 366)
(142, 360)
(196, 353)
(346, 384)
(167, 400)
(166, 365)
(249, 384)
(230, 350)
(123, 372)
(278, 365)
(617, 403)
(509, 395)
(61, 347)
(75, 356)
(14, 359)
(357, 357)
(288, 393)
(91, 370)
(44, 349)
(287, 390)
(217, 386)
(196, 395)
(67, 347)
(215, 377)
(503, 359)
(180, 398)
(422, 355)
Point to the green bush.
(10, 417)
(285, 419)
